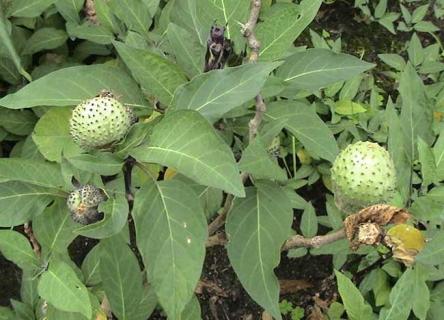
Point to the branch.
(35, 244)
(293, 242)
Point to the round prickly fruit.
(99, 122)
(83, 202)
(363, 174)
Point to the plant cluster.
(159, 129)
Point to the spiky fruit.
(83, 202)
(363, 174)
(99, 122)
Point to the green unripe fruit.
(83, 202)
(99, 122)
(363, 174)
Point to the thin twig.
(296, 241)
(35, 244)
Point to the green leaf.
(133, 13)
(421, 292)
(216, 92)
(70, 9)
(283, 24)
(258, 162)
(348, 107)
(121, 278)
(433, 253)
(415, 51)
(192, 310)
(28, 9)
(45, 39)
(355, 305)
(309, 221)
(16, 248)
(171, 231)
(156, 75)
(30, 171)
(54, 228)
(116, 214)
(19, 122)
(185, 14)
(314, 69)
(6, 42)
(393, 60)
(193, 149)
(438, 152)
(428, 168)
(88, 31)
(102, 163)
(61, 287)
(401, 298)
(419, 13)
(19, 202)
(190, 54)
(416, 114)
(303, 122)
(425, 26)
(256, 228)
(70, 86)
(90, 266)
(52, 137)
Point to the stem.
(128, 169)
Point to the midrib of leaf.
(173, 255)
(197, 160)
(195, 24)
(24, 8)
(221, 95)
(51, 247)
(261, 263)
(122, 299)
(73, 296)
(140, 23)
(87, 279)
(31, 194)
(226, 18)
(49, 40)
(318, 71)
(189, 55)
(278, 37)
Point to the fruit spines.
(363, 174)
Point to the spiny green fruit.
(83, 202)
(100, 121)
(363, 174)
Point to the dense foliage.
(203, 123)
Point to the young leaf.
(70, 86)
(61, 287)
(121, 278)
(171, 232)
(19, 202)
(16, 247)
(156, 75)
(314, 69)
(193, 149)
(283, 25)
(303, 122)
(215, 93)
(355, 305)
(52, 137)
(257, 227)
(309, 221)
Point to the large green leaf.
(256, 228)
(171, 232)
(185, 14)
(88, 31)
(16, 247)
(51, 135)
(30, 171)
(54, 228)
(156, 75)
(193, 149)
(103, 163)
(282, 25)
(6, 43)
(45, 39)
(28, 9)
(134, 13)
(401, 298)
(216, 92)
(61, 287)
(355, 305)
(70, 86)
(19, 202)
(115, 217)
(303, 122)
(317, 68)
(19, 122)
(121, 278)
(190, 54)
(70, 9)
(416, 113)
